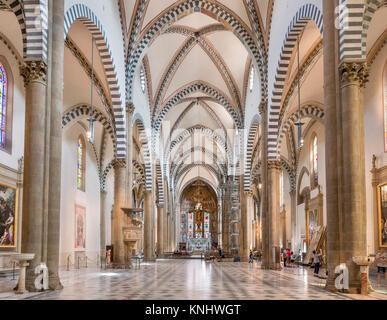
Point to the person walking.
(288, 257)
(251, 257)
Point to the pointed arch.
(308, 12)
(92, 23)
(146, 154)
(249, 151)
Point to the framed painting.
(382, 219)
(80, 227)
(8, 216)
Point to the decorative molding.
(34, 71)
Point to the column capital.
(130, 108)
(354, 71)
(34, 71)
(119, 163)
(274, 165)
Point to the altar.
(198, 245)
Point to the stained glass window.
(314, 161)
(190, 225)
(3, 104)
(81, 164)
(206, 225)
(142, 79)
(251, 79)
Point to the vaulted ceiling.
(199, 53)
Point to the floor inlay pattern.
(191, 279)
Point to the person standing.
(251, 257)
(284, 256)
(288, 256)
(316, 261)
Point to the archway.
(198, 218)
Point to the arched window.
(142, 79)
(314, 161)
(81, 163)
(3, 105)
(251, 79)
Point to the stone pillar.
(102, 231)
(148, 227)
(226, 207)
(274, 176)
(165, 229)
(55, 153)
(243, 235)
(160, 229)
(353, 77)
(129, 153)
(330, 44)
(118, 215)
(293, 218)
(283, 227)
(34, 74)
(265, 222)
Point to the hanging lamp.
(90, 133)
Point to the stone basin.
(363, 261)
(24, 256)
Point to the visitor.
(292, 257)
(284, 257)
(288, 256)
(251, 257)
(316, 261)
(381, 263)
(299, 255)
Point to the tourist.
(381, 262)
(316, 261)
(288, 256)
(284, 256)
(251, 257)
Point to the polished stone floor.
(187, 279)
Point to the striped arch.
(291, 172)
(192, 88)
(181, 189)
(308, 111)
(178, 158)
(16, 6)
(160, 183)
(249, 152)
(355, 17)
(146, 155)
(306, 13)
(84, 110)
(104, 175)
(140, 169)
(180, 163)
(36, 27)
(91, 22)
(180, 10)
(198, 130)
(194, 165)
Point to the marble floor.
(186, 280)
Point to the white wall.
(70, 196)
(373, 134)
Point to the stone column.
(330, 44)
(129, 153)
(55, 153)
(118, 214)
(266, 247)
(34, 74)
(102, 231)
(274, 176)
(353, 77)
(293, 218)
(160, 229)
(226, 207)
(148, 227)
(243, 230)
